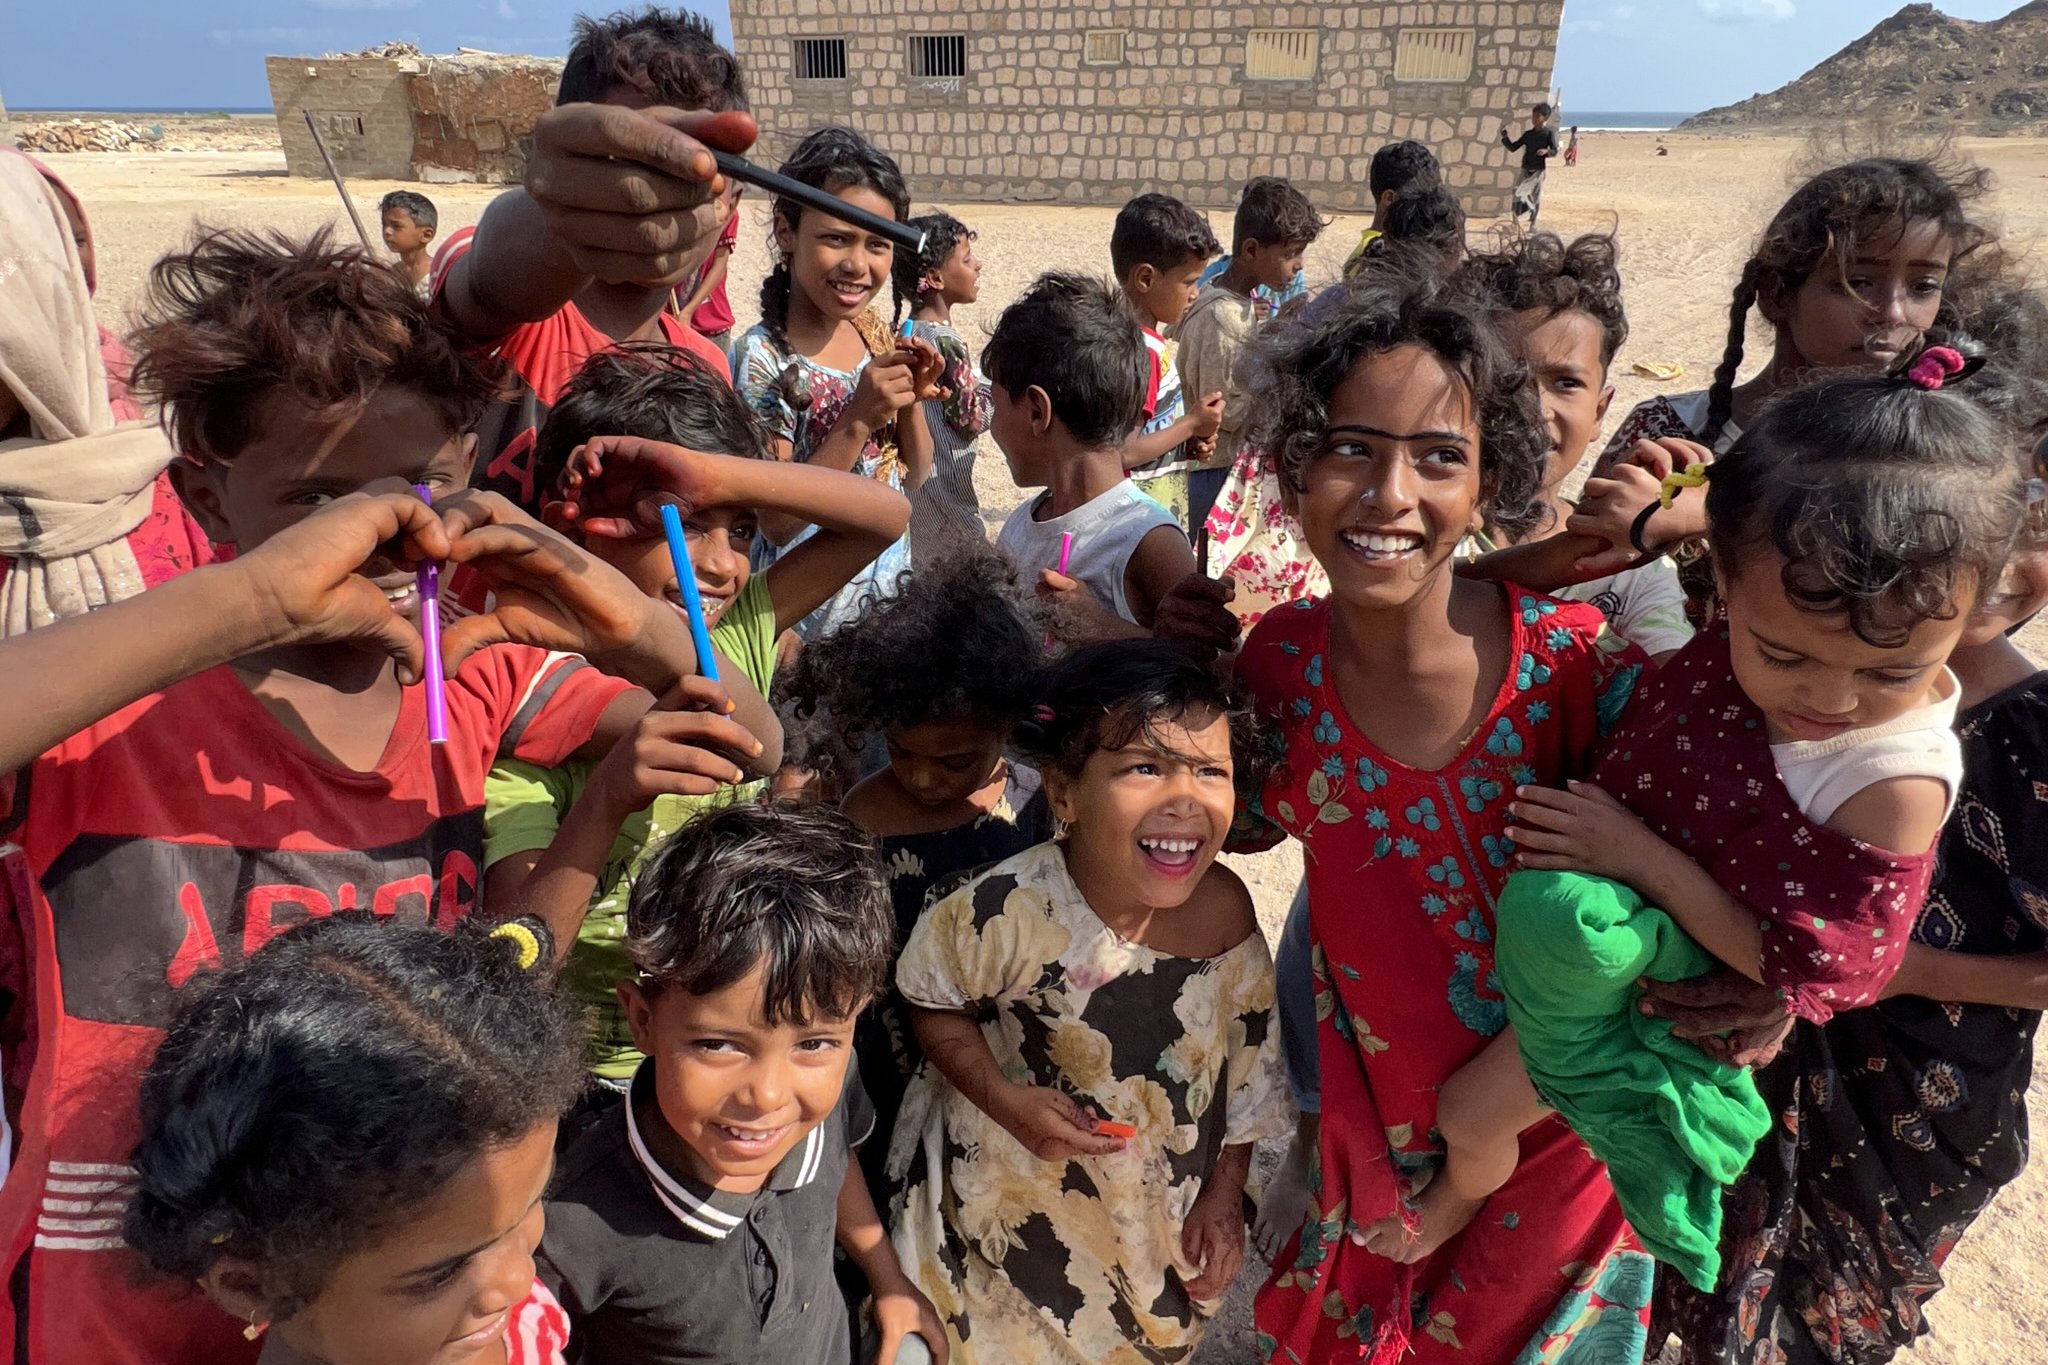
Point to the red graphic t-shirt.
(175, 836)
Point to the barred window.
(1433, 54)
(820, 59)
(1281, 54)
(1103, 47)
(937, 56)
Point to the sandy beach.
(1685, 220)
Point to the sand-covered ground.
(1685, 220)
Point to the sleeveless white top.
(1106, 529)
(1822, 774)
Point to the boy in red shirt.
(196, 769)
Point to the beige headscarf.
(71, 490)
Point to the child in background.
(643, 425)
(1098, 1015)
(822, 370)
(1771, 802)
(1397, 168)
(707, 307)
(946, 511)
(1274, 226)
(1159, 249)
(409, 219)
(1537, 144)
(696, 1220)
(941, 672)
(1068, 367)
(345, 1139)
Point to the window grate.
(1433, 54)
(819, 59)
(938, 56)
(1281, 54)
(1103, 47)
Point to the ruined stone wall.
(1030, 120)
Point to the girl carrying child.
(821, 369)
(345, 1139)
(946, 510)
(1097, 1012)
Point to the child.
(1397, 168)
(564, 843)
(1537, 144)
(1159, 249)
(1567, 311)
(697, 1219)
(1098, 1014)
(221, 758)
(409, 220)
(1068, 365)
(1271, 234)
(1410, 703)
(1775, 796)
(708, 307)
(946, 511)
(1571, 151)
(549, 277)
(941, 672)
(345, 1138)
(821, 369)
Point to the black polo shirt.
(654, 1267)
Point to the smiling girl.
(1098, 1016)
(821, 369)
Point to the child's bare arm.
(2019, 982)
(1050, 1125)
(1481, 1113)
(1899, 814)
(1199, 422)
(900, 1309)
(1162, 560)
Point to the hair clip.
(522, 937)
(1935, 366)
(1692, 476)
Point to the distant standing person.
(1571, 151)
(409, 223)
(1537, 144)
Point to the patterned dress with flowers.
(1034, 1262)
(1403, 868)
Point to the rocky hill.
(1919, 68)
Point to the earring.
(255, 1329)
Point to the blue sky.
(1616, 54)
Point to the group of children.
(828, 958)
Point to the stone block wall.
(1030, 121)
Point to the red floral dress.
(1403, 868)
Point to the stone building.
(1091, 102)
(396, 113)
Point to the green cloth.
(1672, 1124)
(524, 805)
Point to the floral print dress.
(1404, 866)
(1034, 1262)
(946, 512)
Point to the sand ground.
(1685, 220)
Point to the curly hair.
(1160, 231)
(647, 389)
(240, 314)
(311, 1098)
(1833, 216)
(831, 159)
(1072, 336)
(943, 233)
(667, 56)
(1273, 213)
(1888, 503)
(1401, 166)
(1298, 366)
(1541, 272)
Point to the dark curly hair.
(240, 314)
(942, 234)
(308, 1100)
(1839, 212)
(1072, 336)
(1887, 502)
(667, 56)
(651, 390)
(1160, 231)
(831, 159)
(1297, 367)
(1541, 272)
(1401, 166)
(1273, 213)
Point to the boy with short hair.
(409, 220)
(1159, 249)
(644, 424)
(1397, 168)
(696, 1220)
(1271, 234)
(1067, 366)
(242, 748)
(1537, 144)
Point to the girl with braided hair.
(946, 512)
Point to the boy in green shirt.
(640, 426)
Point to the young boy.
(409, 223)
(240, 749)
(520, 286)
(565, 843)
(1067, 364)
(1271, 235)
(1537, 144)
(1159, 249)
(1397, 169)
(696, 1220)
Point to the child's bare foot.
(1441, 1213)
(1284, 1205)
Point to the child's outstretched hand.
(901, 1309)
(1051, 1125)
(687, 745)
(1195, 614)
(1581, 829)
(614, 486)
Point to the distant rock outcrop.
(1919, 68)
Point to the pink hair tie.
(1936, 366)
(1042, 714)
